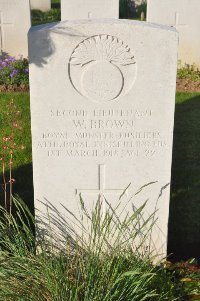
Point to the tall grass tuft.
(91, 258)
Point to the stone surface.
(106, 119)
(43, 5)
(15, 22)
(89, 9)
(184, 16)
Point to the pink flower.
(7, 138)
(12, 181)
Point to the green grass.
(22, 159)
(55, 1)
(23, 136)
(98, 263)
(184, 224)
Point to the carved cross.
(101, 190)
(177, 24)
(89, 15)
(2, 24)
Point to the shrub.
(142, 8)
(189, 72)
(13, 71)
(129, 10)
(95, 263)
(39, 17)
(188, 275)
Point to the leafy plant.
(91, 261)
(13, 71)
(130, 10)
(189, 72)
(141, 8)
(55, 3)
(39, 17)
(126, 9)
(188, 274)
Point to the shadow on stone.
(47, 48)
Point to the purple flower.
(26, 70)
(7, 61)
(13, 73)
(11, 59)
(4, 64)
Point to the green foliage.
(39, 17)
(142, 8)
(15, 119)
(55, 3)
(189, 72)
(124, 9)
(15, 141)
(184, 218)
(188, 274)
(128, 9)
(98, 263)
(16, 236)
(13, 71)
(8, 147)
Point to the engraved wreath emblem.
(102, 68)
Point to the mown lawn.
(184, 224)
(55, 1)
(23, 136)
(22, 156)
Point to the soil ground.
(182, 85)
(14, 88)
(187, 85)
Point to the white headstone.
(43, 5)
(102, 105)
(89, 9)
(15, 21)
(184, 16)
